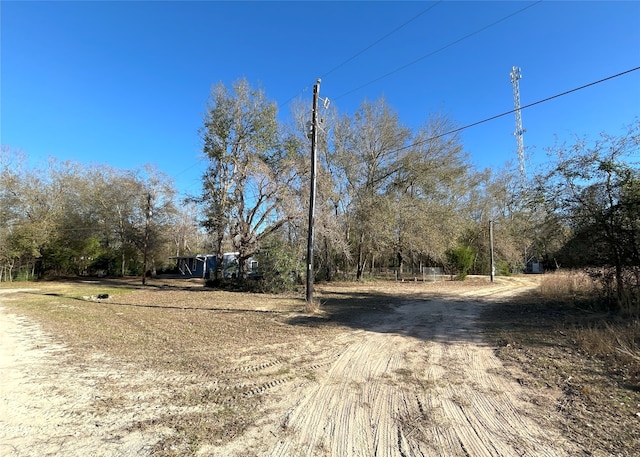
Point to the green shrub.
(460, 260)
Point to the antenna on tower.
(516, 74)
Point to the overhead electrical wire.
(450, 44)
(488, 119)
(506, 113)
(381, 39)
(404, 24)
(344, 62)
(446, 46)
(362, 51)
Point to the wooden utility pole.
(146, 239)
(493, 267)
(312, 191)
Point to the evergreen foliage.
(460, 259)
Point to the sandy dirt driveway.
(417, 382)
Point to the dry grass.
(216, 353)
(617, 343)
(150, 325)
(613, 339)
(312, 306)
(554, 340)
(196, 338)
(610, 339)
(567, 286)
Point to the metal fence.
(424, 274)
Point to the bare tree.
(368, 149)
(594, 190)
(251, 169)
(430, 190)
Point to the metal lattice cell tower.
(516, 74)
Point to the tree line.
(66, 218)
(389, 198)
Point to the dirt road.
(50, 407)
(419, 382)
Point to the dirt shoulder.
(539, 344)
(51, 404)
(393, 370)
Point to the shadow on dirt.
(351, 309)
(442, 319)
(527, 327)
(525, 316)
(133, 282)
(110, 301)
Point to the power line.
(200, 159)
(344, 62)
(497, 116)
(465, 37)
(506, 113)
(404, 24)
(446, 46)
(381, 39)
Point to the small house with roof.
(204, 265)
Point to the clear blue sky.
(125, 83)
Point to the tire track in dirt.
(52, 404)
(333, 407)
(480, 414)
(418, 383)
